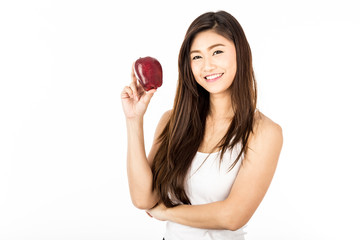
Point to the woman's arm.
(140, 177)
(247, 192)
(138, 168)
(135, 102)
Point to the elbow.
(235, 220)
(235, 225)
(142, 205)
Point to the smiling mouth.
(213, 77)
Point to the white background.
(63, 143)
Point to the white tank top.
(206, 184)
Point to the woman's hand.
(135, 99)
(158, 212)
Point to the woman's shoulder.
(264, 125)
(161, 126)
(164, 119)
(166, 116)
(266, 140)
(167, 113)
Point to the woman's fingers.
(127, 93)
(133, 76)
(133, 84)
(148, 96)
(137, 88)
(134, 89)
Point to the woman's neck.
(220, 107)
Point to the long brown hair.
(185, 129)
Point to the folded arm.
(247, 192)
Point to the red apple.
(148, 71)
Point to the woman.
(214, 153)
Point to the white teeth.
(213, 76)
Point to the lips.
(213, 77)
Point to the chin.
(218, 90)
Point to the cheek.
(195, 71)
(233, 66)
(193, 68)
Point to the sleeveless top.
(208, 182)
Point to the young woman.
(214, 154)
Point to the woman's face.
(213, 61)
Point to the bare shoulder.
(263, 124)
(164, 119)
(265, 132)
(162, 123)
(159, 129)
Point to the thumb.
(148, 96)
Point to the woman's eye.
(196, 57)
(217, 52)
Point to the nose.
(208, 65)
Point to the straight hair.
(184, 131)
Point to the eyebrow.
(212, 46)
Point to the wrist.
(134, 128)
(169, 214)
(135, 121)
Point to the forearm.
(138, 168)
(209, 216)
